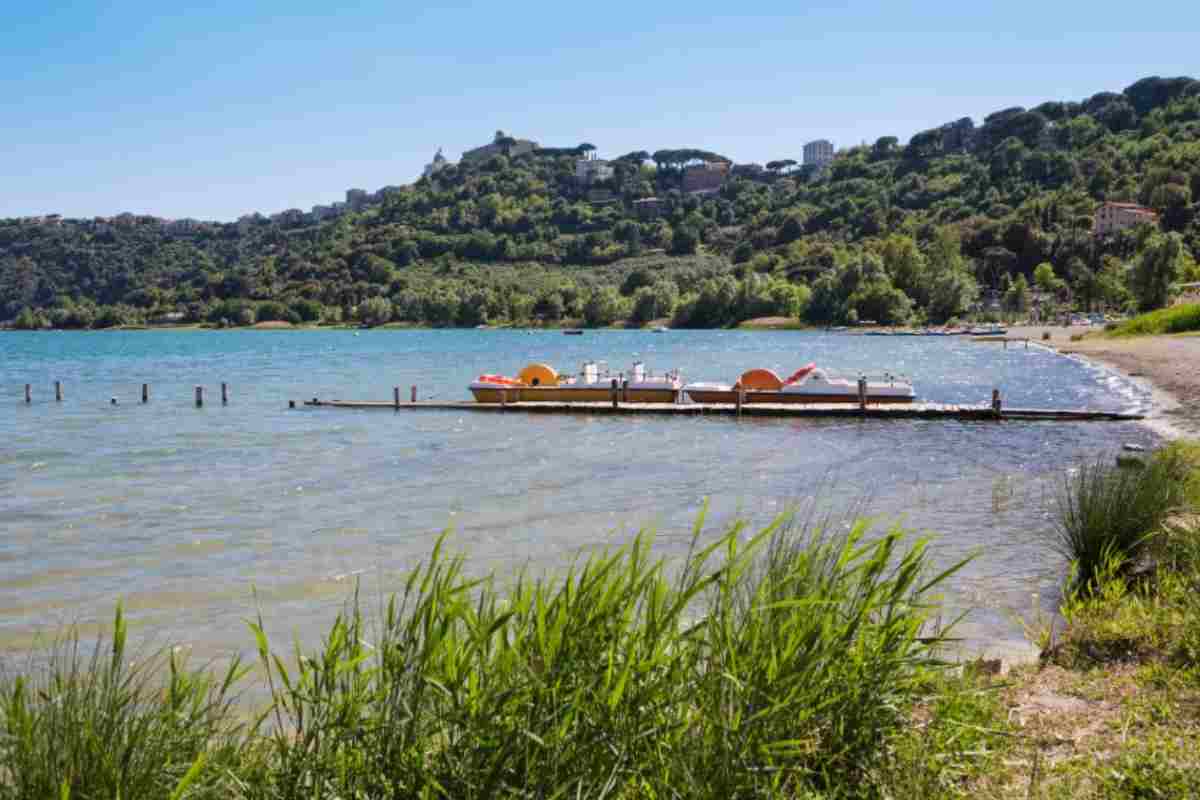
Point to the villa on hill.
(1114, 217)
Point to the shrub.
(1176, 319)
(1106, 512)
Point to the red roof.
(1132, 207)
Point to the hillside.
(888, 232)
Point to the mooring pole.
(224, 393)
(145, 393)
(199, 397)
(615, 396)
(996, 406)
(412, 394)
(396, 397)
(58, 393)
(862, 394)
(28, 393)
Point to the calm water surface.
(184, 514)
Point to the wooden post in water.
(624, 390)
(28, 393)
(615, 397)
(996, 406)
(58, 391)
(396, 397)
(412, 395)
(1006, 344)
(199, 397)
(145, 393)
(291, 403)
(224, 393)
(739, 397)
(862, 393)
(504, 397)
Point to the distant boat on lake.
(573, 332)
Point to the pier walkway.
(842, 411)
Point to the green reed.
(103, 725)
(771, 663)
(1108, 513)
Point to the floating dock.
(790, 410)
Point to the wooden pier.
(814, 411)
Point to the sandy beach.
(1170, 364)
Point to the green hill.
(888, 232)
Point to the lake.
(193, 518)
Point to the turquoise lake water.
(184, 514)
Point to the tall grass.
(1176, 319)
(763, 664)
(1107, 513)
(105, 726)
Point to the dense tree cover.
(1000, 212)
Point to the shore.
(1169, 364)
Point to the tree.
(1045, 279)
(684, 241)
(879, 300)
(1157, 267)
(885, 147)
(1017, 298)
(654, 302)
(906, 267)
(603, 307)
(375, 311)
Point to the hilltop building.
(1114, 217)
(706, 178)
(356, 199)
(648, 207)
(818, 153)
(589, 170)
(435, 166)
(502, 144)
(185, 225)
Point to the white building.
(183, 226)
(819, 153)
(590, 170)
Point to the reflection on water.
(193, 516)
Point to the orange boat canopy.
(763, 380)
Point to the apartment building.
(819, 153)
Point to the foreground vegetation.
(1176, 319)
(891, 233)
(794, 662)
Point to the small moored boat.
(809, 384)
(593, 384)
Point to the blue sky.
(234, 107)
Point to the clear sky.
(226, 108)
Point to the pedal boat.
(593, 384)
(806, 385)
